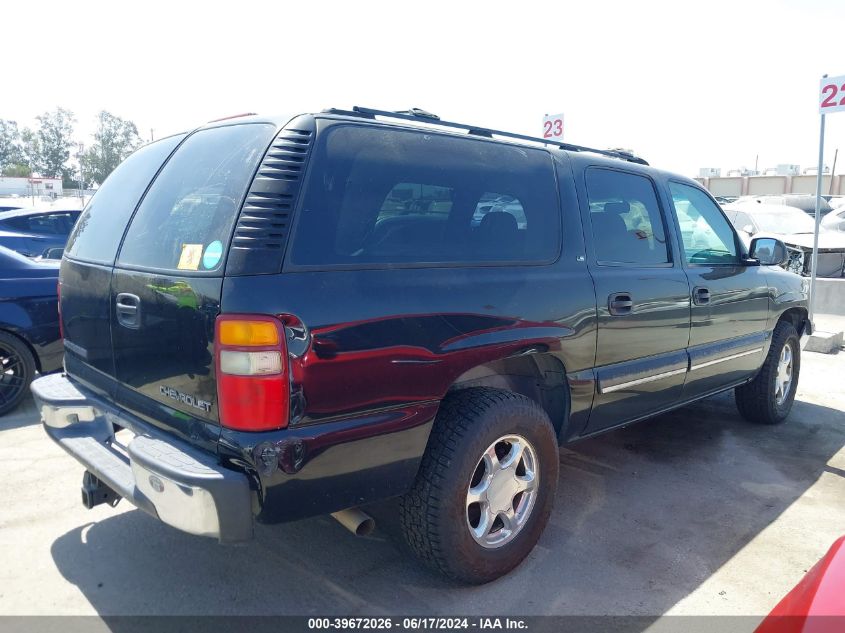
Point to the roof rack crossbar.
(425, 117)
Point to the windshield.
(797, 222)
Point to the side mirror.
(748, 229)
(768, 251)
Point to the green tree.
(114, 140)
(16, 170)
(55, 132)
(30, 150)
(10, 143)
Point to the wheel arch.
(539, 376)
(799, 318)
(11, 332)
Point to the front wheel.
(486, 485)
(768, 398)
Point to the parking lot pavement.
(693, 512)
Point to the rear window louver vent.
(262, 229)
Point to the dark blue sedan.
(37, 232)
(29, 324)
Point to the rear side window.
(625, 218)
(96, 236)
(394, 197)
(42, 223)
(186, 219)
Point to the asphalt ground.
(693, 512)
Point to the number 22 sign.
(553, 127)
(832, 95)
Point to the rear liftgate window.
(186, 218)
(390, 197)
(96, 236)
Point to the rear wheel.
(17, 367)
(768, 398)
(486, 485)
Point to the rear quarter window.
(186, 219)
(96, 236)
(386, 197)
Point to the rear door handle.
(700, 296)
(620, 303)
(128, 309)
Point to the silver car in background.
(795, 229)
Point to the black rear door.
(642, 295)
(87, 265)
(165, 292)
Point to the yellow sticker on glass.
(190, 257)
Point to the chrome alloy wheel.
(502, 491)
(783, 379)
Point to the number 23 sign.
(832, 95)
(553, 127)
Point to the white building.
(35, 186)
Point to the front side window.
(386, 197)
(186, 218)
(706, 235)
(625, 218)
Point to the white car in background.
(795, 229)
(835, 220)
(806, 202)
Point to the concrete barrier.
(830, 297)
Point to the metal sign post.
(815, 259)
(831, 99)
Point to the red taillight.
(250, 357)
(59, 304)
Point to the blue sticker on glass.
(212, 255)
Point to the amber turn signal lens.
(248, 333)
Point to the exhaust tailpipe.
(358, 522)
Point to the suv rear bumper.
(163, 476)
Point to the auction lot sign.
(832, 97)
(553, 127)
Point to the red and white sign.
(832, 95)
(553, 127)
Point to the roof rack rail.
(421, 116)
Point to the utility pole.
(833, 173)
(81, 177)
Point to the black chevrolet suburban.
(268, 319)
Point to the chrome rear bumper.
(163, 476)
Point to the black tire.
(434, 514)
(17, 368)
(756, 400)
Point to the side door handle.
(700, 296)
(128, 309)
(620, 303)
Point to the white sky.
(684, 84)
